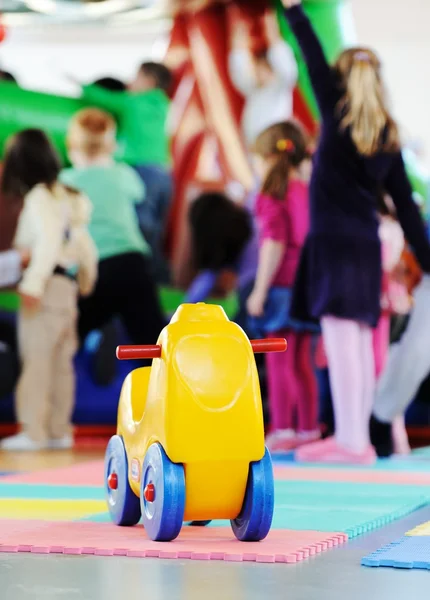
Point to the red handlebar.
(148, 352)
(137, 352)
(269, 345)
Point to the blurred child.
(125, 286)
(394, 297)
(141, 113)
(395, 300)
(339, 278)
(266, 81)
(219, 231)
(282, 215)
(53, 226)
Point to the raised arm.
(283, 63)
(398, 187)
(319, 70)
(240, 64)
(280, 55)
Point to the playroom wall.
(41, 57)
(400, 33)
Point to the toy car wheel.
(254, 522)
(123, 504)
(162, 495)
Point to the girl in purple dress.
(339, 277)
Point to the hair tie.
(362, 56)
(284, 145)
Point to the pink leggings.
(349, 348)
(292, 384)
(381, 344)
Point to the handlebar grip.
(138, 352)
(269, 345)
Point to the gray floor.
(335, 575)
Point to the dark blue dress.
(340, 270)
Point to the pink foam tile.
(83, 474)
(284, 473)
(214, 543)
(15, 526)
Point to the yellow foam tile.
(50, 510)
(423, 529)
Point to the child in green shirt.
(125, 287)
(141, 113)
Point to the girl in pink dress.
(282, 217)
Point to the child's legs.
(64, 382)
(282, 384)
(39, 334)
(381, 343)
(400, 436)
(138, 302)
(307, 401)
(350, 359)
(98, 310)
(408, 361)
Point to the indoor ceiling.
(35, 12)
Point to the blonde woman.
(339, 278)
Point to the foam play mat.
(64, 511)
(409, 552)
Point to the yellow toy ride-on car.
(190, 435)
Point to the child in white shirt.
(53, 227)
(266, 80)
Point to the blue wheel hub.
(162, 495)
(123, 504)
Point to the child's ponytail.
(276, 182)
(284, 146)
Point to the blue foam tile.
(410, 552)
(50, 492)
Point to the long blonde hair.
(363, 108)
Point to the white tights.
(349, 349)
